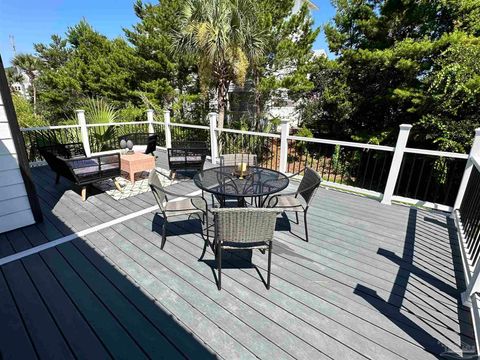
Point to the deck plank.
(374, 281)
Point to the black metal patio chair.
(292, 202)
(192, 205)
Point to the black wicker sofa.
(188, 155)
(71, 162)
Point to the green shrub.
(25, 115)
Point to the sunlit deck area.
(375, 281)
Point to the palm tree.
(224, 38)
(13, 76)
(30, 65)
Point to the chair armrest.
(175, 194)
(295, 174)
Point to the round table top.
(225, 181)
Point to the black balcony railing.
(181, 133)
(37, 138)
(267, 148)
(430, 178)
(362, 168)
(470, 216)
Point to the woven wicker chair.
(193, 205)
(235, 159)
(240, 229)
(293, 201)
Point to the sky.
(34, 21)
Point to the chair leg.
(306, 226)
(57, 179)
(205, 221)
(269, 268)
(206, 225)
(296, 216)
(203, 251)
(219, 266)
(84, 193)
(117, 185)
(164, 234)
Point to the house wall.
(15, 208)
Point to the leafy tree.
(158, 66)
(30, 65)
(25, 115)
(223, 37)
(85, 64)
(409, 61)
(287, 56)
(13, 76)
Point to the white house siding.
(15, 209)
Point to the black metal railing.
(105, 137)
(37, 138)
(267, 148)
(362, 168)
(160, 131)
(181, 133)
(470, 216)
(430, 178)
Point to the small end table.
(133, 163)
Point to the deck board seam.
(193, 285)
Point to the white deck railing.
(283, 148)
(466, 212)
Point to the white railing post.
(396, 163)
(83, 130)
(212, 117)
(151, 130)
(285, 131)
(475, 151)
(168, 133)
(472, 288)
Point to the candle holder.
(241, 170)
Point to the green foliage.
(287, 59)
(223, 37)
(30, 65)
(131, 112)
(400, 62)
(84, 64)
(99, 111)
(13, 76)
(25, 115)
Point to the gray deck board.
(375, 281)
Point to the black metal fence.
(181, 133)
(101, 137)
(267, 148)
(160, 131)
(470, 216)
(362, 168)
(105, 137)
(430, 178)
(36, 138)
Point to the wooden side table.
(133, 163)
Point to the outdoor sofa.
(71, 162)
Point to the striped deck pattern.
(375, 281)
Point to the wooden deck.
(375, 281)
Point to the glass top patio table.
(225, 181)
